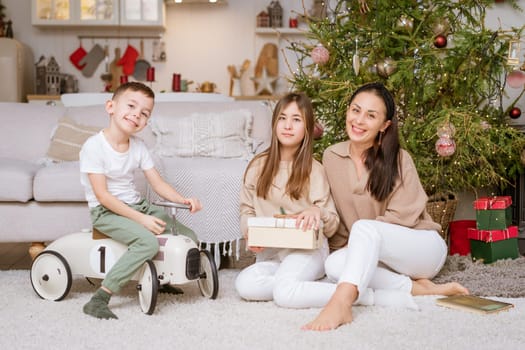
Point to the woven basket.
(442, 207)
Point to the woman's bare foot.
(337, 312)
(427, 287)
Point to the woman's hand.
(309, 218)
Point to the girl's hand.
(253, 249)
(194, 203)
(310, 218)
(154, 224)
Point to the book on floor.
(473, 304)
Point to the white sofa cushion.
(219, 135)
(59, 182)
(68, 138)
(16, 179)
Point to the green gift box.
(493, 213)
(492, 251)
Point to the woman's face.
(365, 118)
(290, 127)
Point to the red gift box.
(490, 203)
(493, 235)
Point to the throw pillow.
(68, 138)
(220, 135)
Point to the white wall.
(201, 41)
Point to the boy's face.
(130, 111)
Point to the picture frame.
(514, 51)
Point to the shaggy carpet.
(191, 321)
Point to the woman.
(392, 242)
(286, 178)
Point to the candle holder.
(150, 74)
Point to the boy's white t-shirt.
(98, 157)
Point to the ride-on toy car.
(179, 261)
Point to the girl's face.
(290, 128)
(365, 118)
(130, 111)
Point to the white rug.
(190, 321)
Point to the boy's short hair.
(134, 86)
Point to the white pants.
(285, 276)
(382, 256)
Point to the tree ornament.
(386, 67)
(320, 54)
(515, 113)
(405, 23)
(485, 125)
(356, 61)
(516, 79)
(318, 130)
(446, 130)
(445, 146)
(442, 27)
(440, 41)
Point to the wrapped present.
(492, 245)
(493, 213)
(281, 233)
(493, 235)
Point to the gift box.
(492, 245)
(281, 233)
(493, 213)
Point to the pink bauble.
(320, 54)
(318, 130)
(445, 146)
(516, 79)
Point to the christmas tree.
(446, 70)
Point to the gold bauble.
(386, 67)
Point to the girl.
(392, 242)
(286, 176)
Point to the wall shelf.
(280, 31)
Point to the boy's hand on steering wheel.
(194, 203)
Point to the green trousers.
(142, 243)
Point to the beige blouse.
(319, 195)
(405, 206)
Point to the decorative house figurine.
(48, 77)
(263, 19)
(275, 10)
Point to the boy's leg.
(142, 245)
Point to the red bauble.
(440, 41)
(515, 113)
(320, 54)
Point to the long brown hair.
(382, 159)
(298, 183)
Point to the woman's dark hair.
(382, 159)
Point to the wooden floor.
(14, 256)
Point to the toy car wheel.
(209, 279)
(51, 275)
(148, 287)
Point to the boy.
(107, 162)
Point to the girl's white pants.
(380, 259)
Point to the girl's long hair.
(382, 159)
(298, 183)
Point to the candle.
(150, 74)
(293, 22)
(175, 84)
(123, 79)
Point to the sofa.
(201, 148)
